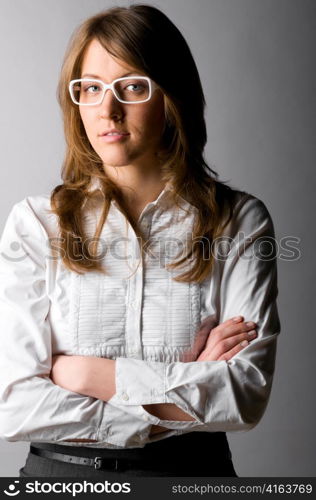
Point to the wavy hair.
(144, 37)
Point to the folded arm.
(86, 375)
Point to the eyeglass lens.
(131, 90)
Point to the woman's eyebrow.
(99, 78)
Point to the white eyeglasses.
(129, 90)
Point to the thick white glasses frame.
(152, 87)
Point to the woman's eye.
(86, 89)
(133, 85)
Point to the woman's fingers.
(228, 338)
(235, 343)
(228, 329)
(229, 354)
(226, 351)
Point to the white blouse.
(139, 316)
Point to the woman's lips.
(113, 138)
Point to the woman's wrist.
(167, 411)
(99, 378)
(87, 375)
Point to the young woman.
(138, 299)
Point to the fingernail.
(252, 332)
(244, 343)
(250, 323)
(237, 318)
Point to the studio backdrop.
(256, 60)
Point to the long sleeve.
(222, 395)
(32, 407)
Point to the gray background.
(256, 59)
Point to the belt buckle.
(98, 463)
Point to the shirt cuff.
(124, 428)
(132, 395)
(129, 391)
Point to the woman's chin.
(115, 161)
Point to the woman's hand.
(69, 372)
(220, 343)
(224, 341)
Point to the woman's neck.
(138, 187)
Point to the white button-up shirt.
(139, 316)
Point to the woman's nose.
(110, 104)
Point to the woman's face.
(143, 122)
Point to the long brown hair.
(144, 37)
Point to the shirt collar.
(161, 200)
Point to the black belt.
(172, 453)
(115, 464)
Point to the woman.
(113, 361)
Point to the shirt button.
(125, 396)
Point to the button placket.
(134, 304)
